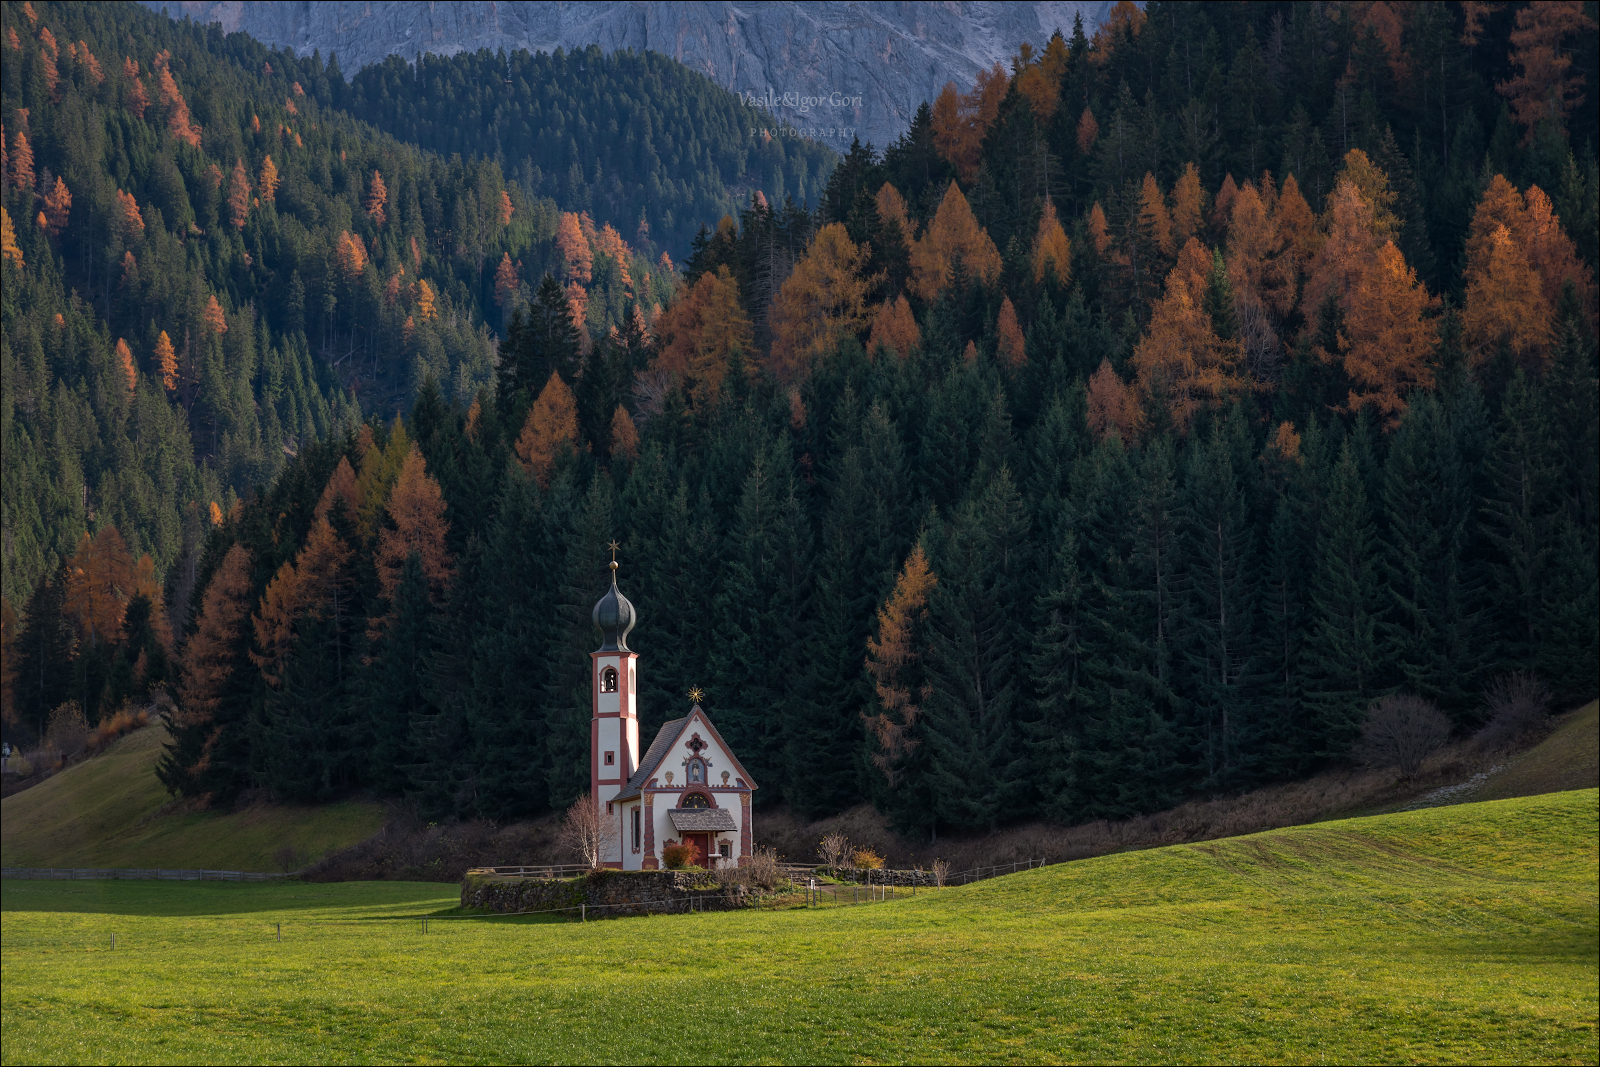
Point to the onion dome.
(615, 617)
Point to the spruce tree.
(1341, 653)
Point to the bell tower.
(614, 728)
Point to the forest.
(1117, 435)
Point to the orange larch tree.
(268, 180)
(505, 281)
(1188, 205)
(577, 258)
(1257, 263)
(21, 162)
(1112, 405)
(1296, 222)
(416, 508)
(10, 251)
(953, 232)
(341, 486)
(1153, 217)
(57, 208)
(178, 121)
(137, 99)
(1088, 131)
(238, 195)
(1099, 230)
(1505, 302)
(1388, 342)
(1181, 358)
(427, 311)
(1545, 83)
(699, 332)
(1052, 252)
(1010, 349)
(377, 199)
(504, 215)
(215, 320)
(166, 362)
(822, 300)
(99, 584)
(216, 650)
(891, 657)
(124, 357)
(894, 328)
(1350, 244)
(624, 437)
(551, 427)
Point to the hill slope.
(109, 812)
(1464, 933)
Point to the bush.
(677, 857)
(867, 860)
(832, 850)
(124, 721)
(1401, 731)
(1519, 708)
(67, 730)
(21, 765)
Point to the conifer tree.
(1341, 651)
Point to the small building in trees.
(688, 788)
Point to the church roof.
(667, 737)
(689, 820)
(614, 615)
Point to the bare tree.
(1518, 706)
(1401, 731)
(832, 850)
(941, 872)
(587, 833)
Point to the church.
(688, 788)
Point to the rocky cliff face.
(830, 70)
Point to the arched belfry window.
(608, 680)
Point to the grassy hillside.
(1568, 759)
(108, 812)
(1454, 934)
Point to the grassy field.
(1456, 934)
(107, 812)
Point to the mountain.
(870, 64)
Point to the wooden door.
(702, 843)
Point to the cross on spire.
(614, 549)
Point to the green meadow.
(1457, 934)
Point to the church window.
(697, 771)
(696, 800)
(608, 680)
(611, 759)
(725, 848)
(637, 829)
(609, 810)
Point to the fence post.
(583, 912)
(280, 933)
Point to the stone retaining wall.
(878, 877)
(604, 894)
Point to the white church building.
(688, 788)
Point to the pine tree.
(1220, 639)
(1341, 651)
(974, 663)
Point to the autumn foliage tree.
(698, 334)
(238, 195)
(1052, 252)
(954, 233)
(892, 662)
(377, 198)
(894, 328)
(217, 647)
(824, 299)
(124, 358)
(57, 208)
(551, 426)
(1388, 342)
(1545, 83)
(416, 526)
(166, 362)
(99, 583)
